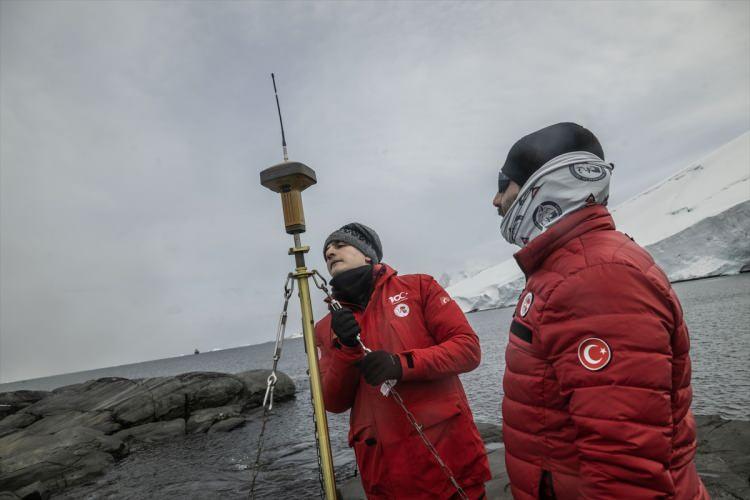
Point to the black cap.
(529, 153)
(361, 237)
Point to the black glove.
(345, 326)
(379, 366)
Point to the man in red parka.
(597, 378)
(420, 338)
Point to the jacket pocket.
(521, 336)
(413, 472)
(521, 331)
(372, 468)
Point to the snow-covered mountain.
(695, 223)
(448, 278)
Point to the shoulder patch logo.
(594, 354)
(526, 304)
(401, 310)
(444, 299)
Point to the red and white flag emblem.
(526, 304)
(594, 354)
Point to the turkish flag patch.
(594, 354)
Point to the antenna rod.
(278, 107)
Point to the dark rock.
(255, 386)
(169, 397)
(89, 466)
(50, 458)
(37, 490)
(351, 489)
(5, 431)
(97, 420)
(58, 439)
(202, 420)
(227, 425)
(19, 420)
(11, 402)
(13, 423)
(490, 433)
(216, 389)
(134, 407)
(177, 397)
(153, 432)
(135, 402)
(100, 394)
(723, 457)
(499, 486)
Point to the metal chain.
(317, 447)
(280, 330)
(256, 467)
(272, 378)
(388, 389)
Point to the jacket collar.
(587, 219)
(382, 272)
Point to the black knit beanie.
(360, 237)
(529, 153)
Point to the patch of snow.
(470, 270)
(714, 246)
(704, 189)
(482, 290)
(703, 266)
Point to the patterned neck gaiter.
(563, 185)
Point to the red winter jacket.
(621, 428)
(413, 316)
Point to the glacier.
(695, 223)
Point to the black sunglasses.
(503, 181)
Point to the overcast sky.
(132, 134)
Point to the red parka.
(414, 317)
(597, 379)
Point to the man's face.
(342, 257)
(504, 199)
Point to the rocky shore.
(723, 460)
(50, 441)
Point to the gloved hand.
(379, 366)
(345, 326)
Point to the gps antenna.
(281, 122)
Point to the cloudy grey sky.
(132, 135)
